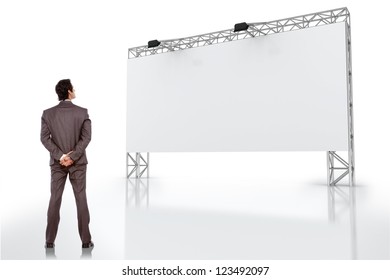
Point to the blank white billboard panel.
(281, 92)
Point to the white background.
(87, 41)
(283, 92)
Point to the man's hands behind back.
(66, 160)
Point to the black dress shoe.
(88, 245)
(49, 245)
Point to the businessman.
(66, 133)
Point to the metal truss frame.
(347, 166)
(351, 133)
(336, 164)
(136, 163)
(263, 29)
(254, 30)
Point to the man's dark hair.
(62, 88)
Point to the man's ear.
(69, 93)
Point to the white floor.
(206, 206)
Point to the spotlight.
(153, 44)
(240, 26)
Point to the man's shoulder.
(65, 105)
(80, 108)
(51, 109)
(80, 111)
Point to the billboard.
(281, 92)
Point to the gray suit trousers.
(77, 177)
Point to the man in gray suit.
(66, 133)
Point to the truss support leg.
(137, 165)
(338, 168)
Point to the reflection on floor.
(195, 218)
(161, 231)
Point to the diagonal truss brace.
(338, 168)
(137, 164)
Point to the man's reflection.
(86, 253)
(50, 254)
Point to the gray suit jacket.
(66, 127)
